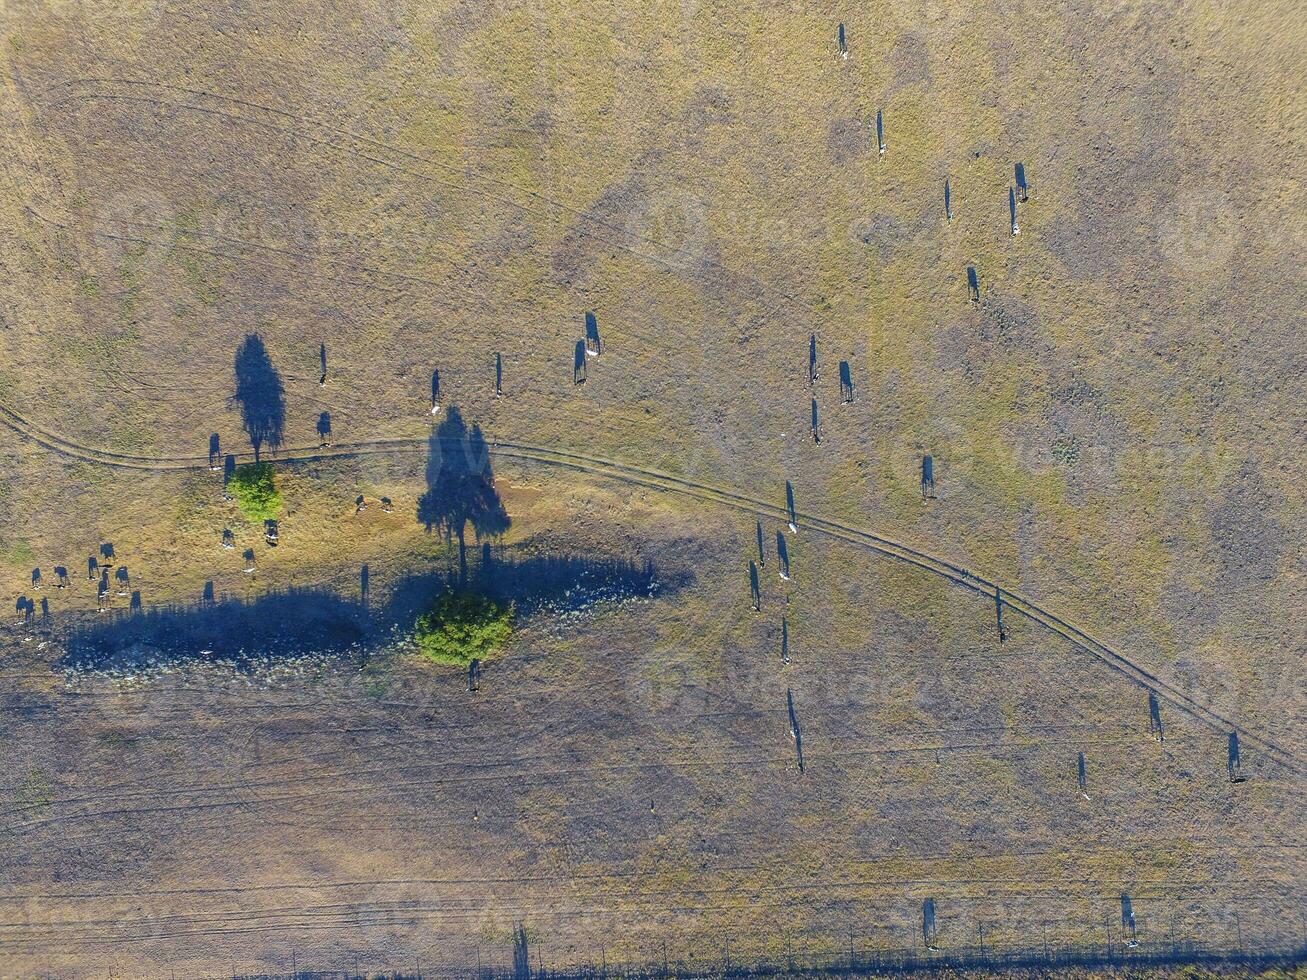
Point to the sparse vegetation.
(450, 187)
(255, 488)
(35, 793)
(1066, 449)
(89, 287)
(16, 552)
(461, 627)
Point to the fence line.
(857, 963)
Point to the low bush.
(461, 627)
(255, 488)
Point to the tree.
(255, 489)
(461, 487)
(461, 627)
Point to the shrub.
(255, 491)
(461, 627)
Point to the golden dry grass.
(1115, 428)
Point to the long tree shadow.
(243, 634)
(461, 487)
(248, 634)
(260, 394)
(540, 584)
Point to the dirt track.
(662, 481)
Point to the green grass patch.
(36, 792)
(255, 488)
(89, 287)
(16, 551)
(461, 627)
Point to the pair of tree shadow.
(260, 395)
(461, 487)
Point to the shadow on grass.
(260, 395)
(280, 627)
(461, 487)
(276, 626)
(539, 584)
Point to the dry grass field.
(1115, 424)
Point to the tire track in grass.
(303, 918)
(348, 781)
(395, 735)
(678, 256)
(345, 783)
(597, 879)
(616, 328)
(280, 255)
(667, 482)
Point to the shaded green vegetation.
(255, 488)
(36, 792)
(89, 287)
(16, 551)
(461, 627)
